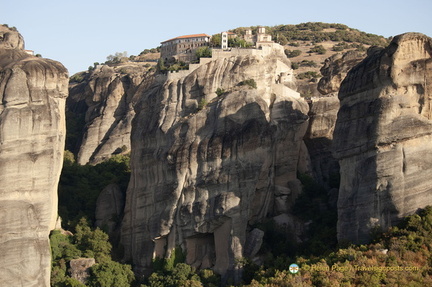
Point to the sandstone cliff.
(205, 166)
(104, 98)
(383, 137)
(323, 113)
(32, 133)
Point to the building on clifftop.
(260, 39)
(183, 48)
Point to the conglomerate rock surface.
(32, 135)
(383, 137)
(206, 165)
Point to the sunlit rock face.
(32, 134)
(383, 137)
(10, 38)
(205, 166)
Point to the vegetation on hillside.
(398, 257)
(317, 32)
(80, 186)
(87, 243)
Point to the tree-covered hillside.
(317, 32)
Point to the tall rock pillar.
(32, 133)
(383, 137)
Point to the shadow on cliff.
(355, 145)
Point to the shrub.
(219, 91)
(77, 78)
(319, 49)
(308, 75)
(292, 53)
(340, 47)
(202, 104)
(306, 63)
(249, 82)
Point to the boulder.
(80, 268)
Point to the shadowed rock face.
(335, 69)
(105, 99)
(323, 113)
(202, 172)
(32, 133)
(383, 137)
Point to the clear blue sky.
(78, 33)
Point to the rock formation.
(383, 136)
(32, 134)
(10, 38)
(205, 166)
(80, 268)
(335, 69)
(105, 98)
(109, 208)
(323, 113)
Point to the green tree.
(203, 52)
(111, 274)
(181, 275)
(161, 65)
(216, 40)
(80, 186)
(94, 243)
(62, 247)
(71, 282)
(282, 40)
(238, 42)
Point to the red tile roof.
(187, 36)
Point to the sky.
(79, 33)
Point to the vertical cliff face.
(323, 113)
(205, 166)
(32, 133)
(105, 99)
(383, 137)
